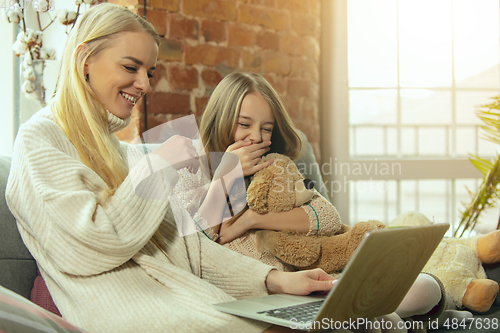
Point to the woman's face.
(255, 121)
(119, 75)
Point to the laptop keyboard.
(301, 312)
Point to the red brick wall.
(204, 40)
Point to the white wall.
(6, 88)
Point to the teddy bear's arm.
(294, 249)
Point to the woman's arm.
(55, 199)
(242, 277)
(298, 283)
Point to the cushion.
(21, 316)
(17, 266)
(40, 296)
(493, 272)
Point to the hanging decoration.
(29, 42)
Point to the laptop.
(373, 283)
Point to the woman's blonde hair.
(220, 118)
(75, 106)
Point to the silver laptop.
(373, 283)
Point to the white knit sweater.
(98, 261)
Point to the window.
(410, 77)
(17, 108)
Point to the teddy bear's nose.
(308, 183)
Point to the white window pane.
(469, 102)
(372, 106)
(371, 200)
(487, 221)
(487, 148)
(432, 141)
(425, 43)
(372, 47)
(465, 139)
(408, 141)
(392, 141)
(423, 106)
(368, 141)
(476, 37)
(432, 199)
(392, 197)
(408, 195)
(352, 141)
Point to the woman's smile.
(119, 75)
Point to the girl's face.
(119, 75)
(255, 121)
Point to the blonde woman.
(246, 117)
(113, 260)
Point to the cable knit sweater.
(99, 261)
(323, 219)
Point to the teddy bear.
(457, 262)
(280, 187)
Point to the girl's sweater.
(323, 218)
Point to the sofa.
(18, 269)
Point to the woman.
(113, 260)
(246, 117)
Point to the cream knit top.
(99, 263)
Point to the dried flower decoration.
(66, 17)
(29, 42)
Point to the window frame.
(335, 144)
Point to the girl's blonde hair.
(220, 118)
(75, 106)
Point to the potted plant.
(488, 193)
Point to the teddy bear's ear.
(258, 191)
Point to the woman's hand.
(298, 283)
(250, 154)
(180, 153)
(230, 231)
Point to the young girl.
(246, 117)
(113, 260)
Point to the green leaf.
(488, 193)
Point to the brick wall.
(204, 40)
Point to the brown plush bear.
(329, 253)
(281, 187)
